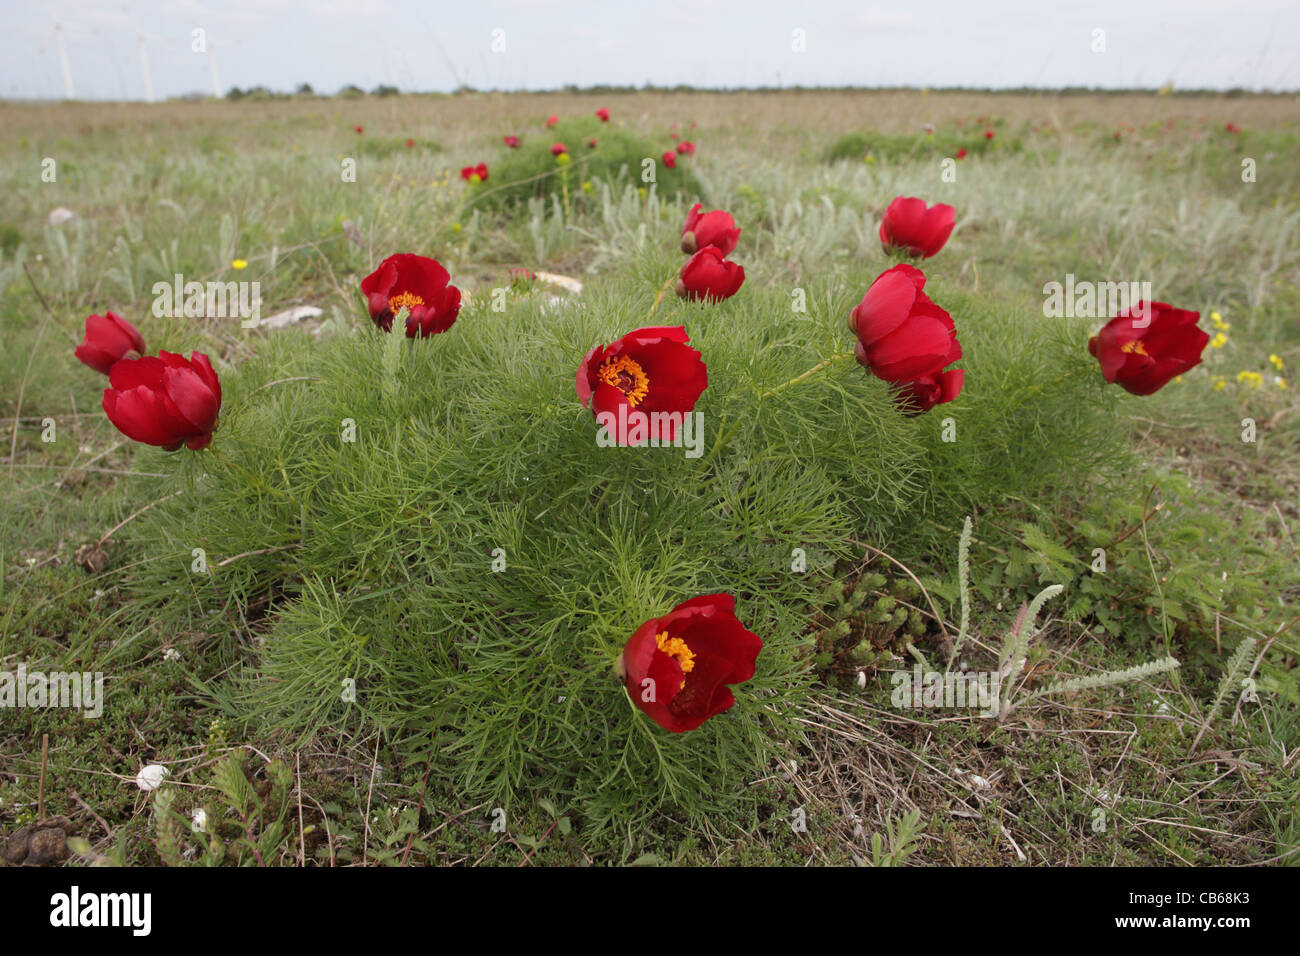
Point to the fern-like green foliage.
(1015, 649)
(1231, 680)
(371, 563)
(1109, 678)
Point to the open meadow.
(380, 619)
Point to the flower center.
(676, 648)
(408, 299)
(1135, 346)
(628, 377)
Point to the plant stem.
(726, 436)
(803, 375)
(659, 298)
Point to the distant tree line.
(352, 91)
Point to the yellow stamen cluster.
(676, 648)
(1135, 346)
(626, 376)
(408, 299)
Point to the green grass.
(372, 561)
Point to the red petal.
(918, 346)
(887, 304)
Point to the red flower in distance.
(686, 148)
(591, 143)
(1146, 346)
(109, 338)
(676, 668)
(420, 284)
(166, 400)
(902, 335)
(909, 227)
(961, 153)
(551, 121)
(1232, 128)
(603, 114)
(988, 134)
(923, 393)
(716, 229)
(708, 275)
(670, 159)
(558, 148)
(647, 371)
(410, 143)
(358, 129)
(468, 173)
(511, 141)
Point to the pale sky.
(540, 44)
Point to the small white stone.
(151, 777)
(289, 316)
(60, 216)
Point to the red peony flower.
(165, 400)
(603, 114)
(709, 276)
(1146, 346)
(961, 153)
(109, 339)
(902, 336)
(923, 393)
(676, 668)
(988, 134)
(551, 121)
(468, 173)
(420, 284)
(558, 148)
(670, 159)
(650, 370)
(716, 229)
(511, 141)
(909, 227)
(686, 148)
(358, 129)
